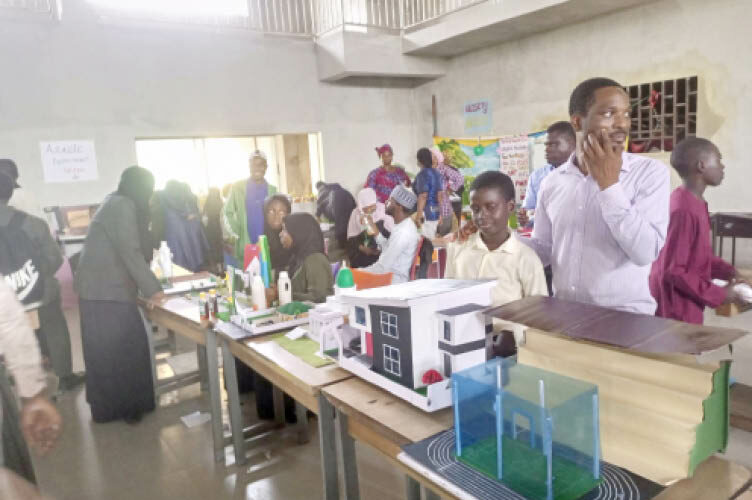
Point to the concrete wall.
(85, 79)
(529, 80)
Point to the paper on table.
(296, 333)
(743, 289)
(232, 330)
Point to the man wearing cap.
(22, 199)
(397, 252)
(244, 210)
(53, 334)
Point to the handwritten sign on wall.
(69, 161)
(478, 117)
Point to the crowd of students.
(605, 226)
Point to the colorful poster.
(478, 117)
(69, 161)
(470, 156)
(514, 152)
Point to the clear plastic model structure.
(534, 430)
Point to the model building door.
(369, 344)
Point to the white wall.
(84, 79)
(529, 80)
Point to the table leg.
(233, 402)
(413, 489)
(301, 413)
(278, 399)
(348, 458)
(328, 445)
(733, 250)
(212, 367)
(203, 372)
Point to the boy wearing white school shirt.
(491, 252)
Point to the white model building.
(411, 331)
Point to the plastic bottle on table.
(285, 288)
(258, 293)
(165, 260)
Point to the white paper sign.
(69, 161)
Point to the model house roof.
(460, 310)
(410, 291)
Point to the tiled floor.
(161, 458)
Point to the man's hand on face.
(601, 159)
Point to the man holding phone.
(601, 218)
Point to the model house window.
(389, 324)
(360, 316)
(392, 361)
(447, 331)
(447, 365)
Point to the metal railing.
(289, 17)
(38, 6)
(384, 14)
(421, 11)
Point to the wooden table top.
(385, 413)
(387, 423)
(291, 374)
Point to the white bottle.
(258, 293)
(254, 268)
(285, 288)
(165, 260)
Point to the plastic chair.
(416, 259)
(364, 279)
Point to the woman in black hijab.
(113, 271)
(309, 269)
(276, 208)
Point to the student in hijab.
(212, 219)
(309, 269)
(112, 273)
(175, 219)
(244, 210)
(276, 208)
(362, 249)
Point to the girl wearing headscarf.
(276, 208)
(454, 181)
(362, 250)
(386, 176)
(113, 270)
(309, 269)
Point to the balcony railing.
(36, 6)
(421, 11)
(288, 17)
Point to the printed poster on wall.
(470, 156)
(69, 161)
(478, 117)
(514, 152)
